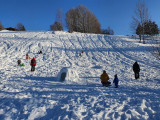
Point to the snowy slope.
(40, 94)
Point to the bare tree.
(59, 16)
(58, 24)
(20, 27)
(71, 20)
(1, 26)
(141, 16)
(81, 19)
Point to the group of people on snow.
(32, 63)
(105, 78)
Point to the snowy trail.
(39, 95)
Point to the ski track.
(39, 95)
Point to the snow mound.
(67, 74)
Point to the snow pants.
(136, 75)
(32, 67)
(116, 84)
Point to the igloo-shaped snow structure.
(67, 74)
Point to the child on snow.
(19, 62)
(27, 57)
(115, 81)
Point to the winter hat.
(115, 75)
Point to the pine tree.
(151, 28)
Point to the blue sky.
(40, 14)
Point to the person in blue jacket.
(115, 81)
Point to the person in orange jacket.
(104, 79)
(33, 64)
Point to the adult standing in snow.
(33, 64)
(136, 70)
(104, 79)
(116, 80)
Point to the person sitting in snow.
(27, 57)
(33, 64)
(104, 79)
(19, 62)
(115, 81)
(136, 70)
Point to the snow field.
(40, 95)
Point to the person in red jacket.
(27, 57)
(33, 64)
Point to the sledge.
(106, 85)
(22, 65)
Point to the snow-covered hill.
(41, 95)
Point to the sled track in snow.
(38, 95)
